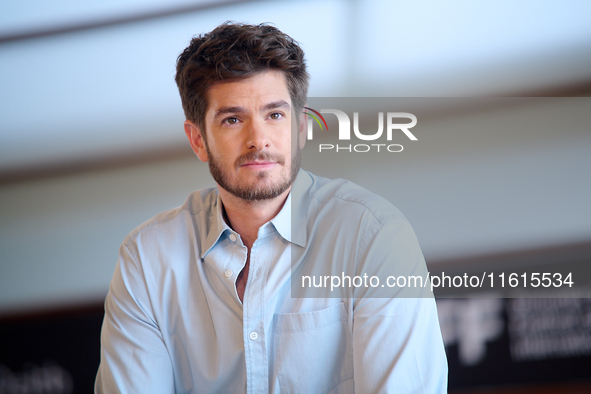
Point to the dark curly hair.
(234, 51)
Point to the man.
(201, 298)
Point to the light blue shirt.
(174, 322)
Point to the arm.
(134, 358)
(397, 344)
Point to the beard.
(255, 192)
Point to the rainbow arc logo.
(315, 118)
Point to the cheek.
(223, 148)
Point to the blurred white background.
(92, 144)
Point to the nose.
(257, 137)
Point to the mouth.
(259, 164)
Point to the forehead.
(253, 91)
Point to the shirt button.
(232, 238)
(253, 336)
(228, 273)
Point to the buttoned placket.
(253, 324)
(235, 264)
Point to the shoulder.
(196, 211)
(348, 198)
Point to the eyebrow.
(276, 104)
(240, 110)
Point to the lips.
(259, 160)
(259, 164)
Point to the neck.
(246, 217)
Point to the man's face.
(249, 137)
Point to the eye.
(276, 115)
(231, 120)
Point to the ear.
(303, 129)
(196, 140)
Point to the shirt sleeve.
(134, 358)
(397, 343)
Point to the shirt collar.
(290, 222)
(217, 226)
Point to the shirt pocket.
(313, 351)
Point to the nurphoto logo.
(344, 130)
